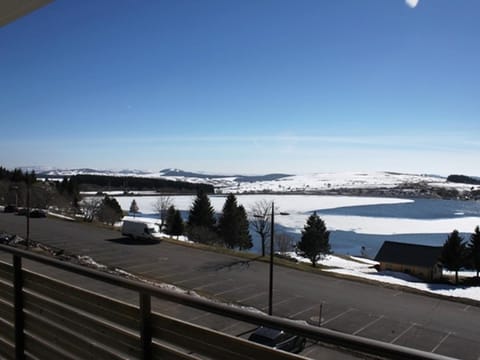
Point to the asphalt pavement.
(373, 311)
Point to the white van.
(140, 230)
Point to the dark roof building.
(420, 260)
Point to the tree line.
(232, 227)
(102, 182)
(15, 184)
(463, 179)
(230, 230)
(458, 253)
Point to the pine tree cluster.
(457, 254)
(232, 229)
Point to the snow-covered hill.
(312, 182)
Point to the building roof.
(409, 254)
(11, 10)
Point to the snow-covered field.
(328, 181)
(362, 268)
(299, 182)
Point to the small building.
(418, 260)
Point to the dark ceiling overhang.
(11, 10)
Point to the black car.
(278, 339)
(10, 209)
(37, 213)
(22, 211)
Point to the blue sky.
(243, 86)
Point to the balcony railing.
(44, 318)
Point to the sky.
(243, 86)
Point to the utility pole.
(270, 292)
(28, 212)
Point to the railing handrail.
(348, 341)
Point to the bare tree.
(91, 207)
(283, 242)
(260, 220)
(161, 206)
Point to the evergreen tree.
(134, 207)
(474, 249)
(110, 211)
(201, 212)
(177, 227)
(69, 188)
(453, 253)
(17, 175)
(201, 220)
(170, 219)
(315, 239)
(233, 226)
(244, 237)
(228, 224)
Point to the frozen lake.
(353, 221)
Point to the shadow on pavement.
(129, 241)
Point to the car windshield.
(152, 230)
(262, 340)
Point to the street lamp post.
(270, 290)
(28, 213)
(272, 252)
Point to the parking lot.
(390, 315)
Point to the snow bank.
(363, 268)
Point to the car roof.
(268, 333)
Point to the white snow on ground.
(363, 268)
(332, 181)
(350, 180)
(61, 216)
(87, 260)
(299, 182)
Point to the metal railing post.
(146, 325)
(18, 307)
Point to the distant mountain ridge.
(382, 183)
(240, 178)
(169, 172)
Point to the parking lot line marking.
(176, 274)
(398, 293)
(211, 284)
(466, 308)
(263, 293)
(245, 332)
(339, 315)
(192, 279)
(368, 325)
(304, 311)
(441, 341)
(285, 300)
(234, 289)
(403, 333)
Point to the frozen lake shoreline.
(348, 232)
